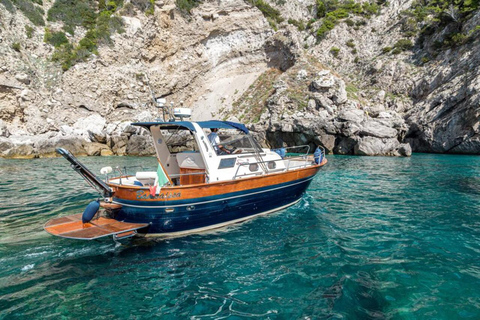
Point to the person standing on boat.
(215, 141)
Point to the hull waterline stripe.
(210, 201)
(215, 226)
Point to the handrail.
(303, 157)
(289, 162)
(178, 175)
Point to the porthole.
(253, 167)
(272, 165)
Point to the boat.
(194, 188)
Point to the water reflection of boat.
(193, 188)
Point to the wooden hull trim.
(193, 217)
(221, 183)
(216, 226)
(210, 201)
(132, 195)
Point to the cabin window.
(253, 167)
(227, 163)
(272, 164)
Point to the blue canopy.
(187, 125)
(222, 125)
(174, 125)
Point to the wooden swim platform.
(72, 227)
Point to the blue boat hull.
(170, 218)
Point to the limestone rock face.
(375, 129)
(91, 127)
(405, 150)
(4, 130)
(46, 147)
(227, 62)
(352, 115)
(373, 146)
(96, 149)
(221, 45)
(324, 115)
(140, 146)
(447, 116)
(5, 145)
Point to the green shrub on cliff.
(73, 14)
(335, 51)
(349, 22)
(297, 23)
(56, 39)
(321, 9)
(64, 55)
(186, 5)
(430, 17)
(107, 24)
(100, 25)
(16, 46)
(33, 12)
(253, 102)
(328, 24)
(332, 11)
(8, 5)
(29, 31)
(273, 15)
(403, 44)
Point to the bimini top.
(188, 125)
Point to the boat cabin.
(189, 155)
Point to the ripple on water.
(372, 238)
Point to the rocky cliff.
(270, 65)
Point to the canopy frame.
(187, 125)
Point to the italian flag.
(160, 181)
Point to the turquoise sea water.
(373, 238)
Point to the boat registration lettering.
(142, 194)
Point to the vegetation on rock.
(186, 5)
(332, 11)
(29, 31)
(402, 45)
(273, 15)
(335, 51)
(56, 39)
(446, 17)
(386, 49)
(250, 106)
(29, 8)
(16, 46)
(297, 23)
(100, 23)
(8, 5)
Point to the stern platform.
(71, 227)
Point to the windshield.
(179, 141)
(234, 140)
